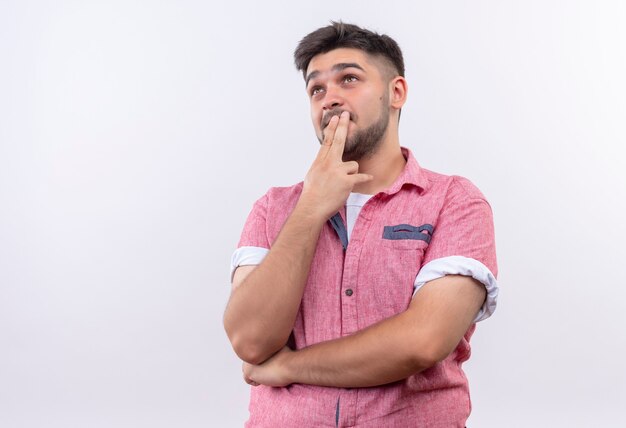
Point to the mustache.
(335, 112)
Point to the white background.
(135, 136)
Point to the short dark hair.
(341, 35)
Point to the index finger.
(339, 139)
(328, 134)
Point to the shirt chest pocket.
(407, 237)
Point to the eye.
(350, 78)
(316, 90)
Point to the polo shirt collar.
(412, 175)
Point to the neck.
(385, 166)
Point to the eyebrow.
(335, 68)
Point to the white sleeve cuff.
(246, 256)
(459, 265)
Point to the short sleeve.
(254, 232)
(463, 243)
(464, 228)
(253, 245)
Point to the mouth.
(336, 112)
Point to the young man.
(355, 293)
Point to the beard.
(363, 143)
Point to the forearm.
(384, 353)
(262, 309)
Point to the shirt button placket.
(349, 317)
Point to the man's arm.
(427, 332)
(264, 301)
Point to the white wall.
(134, 137)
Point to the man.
(355, 292)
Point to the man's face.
(350, 80)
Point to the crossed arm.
(412, 341)
(426, 333)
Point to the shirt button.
(349, 292)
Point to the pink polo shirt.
(426, 225)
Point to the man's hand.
(330, 180)
(272, 372)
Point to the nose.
(332, 99)
(330, 106)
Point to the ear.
(398, 90)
